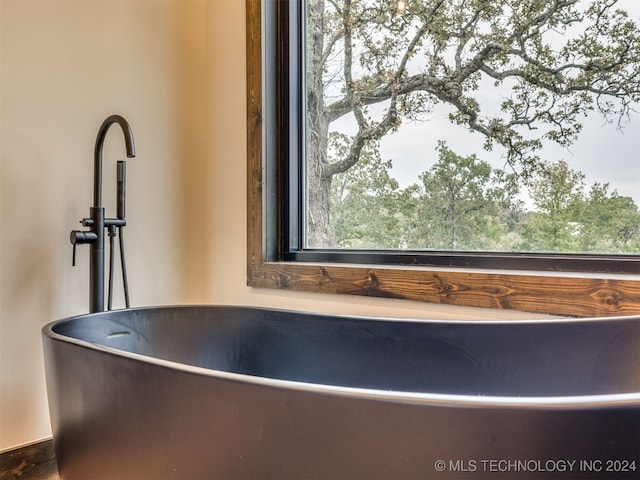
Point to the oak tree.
(551, 62)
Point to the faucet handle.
(86, 222)
(80, 237)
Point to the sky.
(602, 152)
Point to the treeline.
(462, 203)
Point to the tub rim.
(568, 402)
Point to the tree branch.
(597, 68)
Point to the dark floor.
(31, 462)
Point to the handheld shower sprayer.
(97, 223)
(121, 188)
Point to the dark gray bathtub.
(231, 392)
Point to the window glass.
(472, 125)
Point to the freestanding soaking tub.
(231, 392)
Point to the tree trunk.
(318, 186)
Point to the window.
(280, 254)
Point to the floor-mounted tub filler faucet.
(97, 223)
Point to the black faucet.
(97, 221)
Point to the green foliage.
(521, 73)
(556, 191)
(609, 222)
(462, 203)
(569, 220)
(456, 193)
(365, 206)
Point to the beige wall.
(176, 70)
(66, 66)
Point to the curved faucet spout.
(97, 172)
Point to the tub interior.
(562, 358)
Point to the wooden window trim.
(560, 293)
